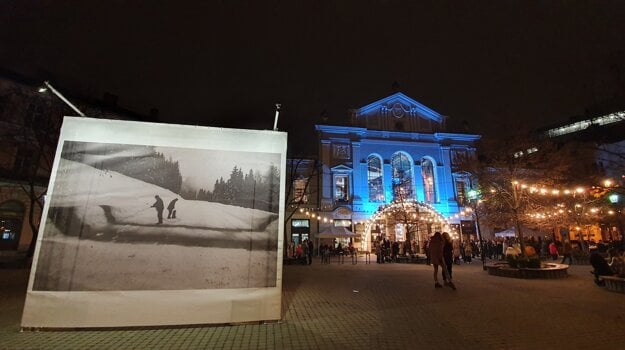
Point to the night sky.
(226, 63)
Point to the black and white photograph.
(144, 217)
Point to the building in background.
(603, 133)
(30, 121)
(394, 150)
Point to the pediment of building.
(399, 106)
(341, 168)
(398, 112)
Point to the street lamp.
(474, 196)
(275, 118)
(46, 86)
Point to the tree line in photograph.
(142, 162)
(252, 190)
(139, 162)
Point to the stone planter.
(547, 271)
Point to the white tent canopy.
(511, 232)
(336, 232)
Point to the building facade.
(395, 150)
(30, 121)
(603, 134)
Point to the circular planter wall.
(547, 271)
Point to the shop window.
(11, 217)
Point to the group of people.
(387, 250)
(302, 252)
(461, 251)
(613, 265)
(441, 248)
(160, 207)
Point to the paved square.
(377, 306)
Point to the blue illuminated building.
(394, 148)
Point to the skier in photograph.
(159, 208)
(171, 211)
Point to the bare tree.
(300, 178)
(512, 172)
(31, 131)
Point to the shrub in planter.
(512, 261)
(522, 262)
(533, 262)
(530, 251)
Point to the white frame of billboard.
(82, 309)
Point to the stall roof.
(336, 232)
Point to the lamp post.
(275, 118)
(47, 86)
(473, 196)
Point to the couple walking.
(441, 254)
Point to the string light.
(543, 190)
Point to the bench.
(403, 259)
(418, 258)
(614, 283)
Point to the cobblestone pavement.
(377, 306)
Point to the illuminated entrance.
(404, 221)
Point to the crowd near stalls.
(467, 251)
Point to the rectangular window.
(299, 191)
(342, 223)
(458, 156)
(341, 188)
(341, 151)
(300, 223)
(461, 192)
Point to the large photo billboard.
(180, 224)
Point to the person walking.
(291, 249)
(567, 252)
(553, 250)
(436, 256)
(468, 252)
(159, 206)
(171, 209)
(456, 248)
(448, 258)
(310, 251)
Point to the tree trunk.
(517, 225)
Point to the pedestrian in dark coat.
(311, 247)
(448, 257)
(436, 255)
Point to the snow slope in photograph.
(102, 234)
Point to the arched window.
(402, 176)
(429, 185)
(375, 179)
(11, 216)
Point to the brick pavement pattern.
(377, 306)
